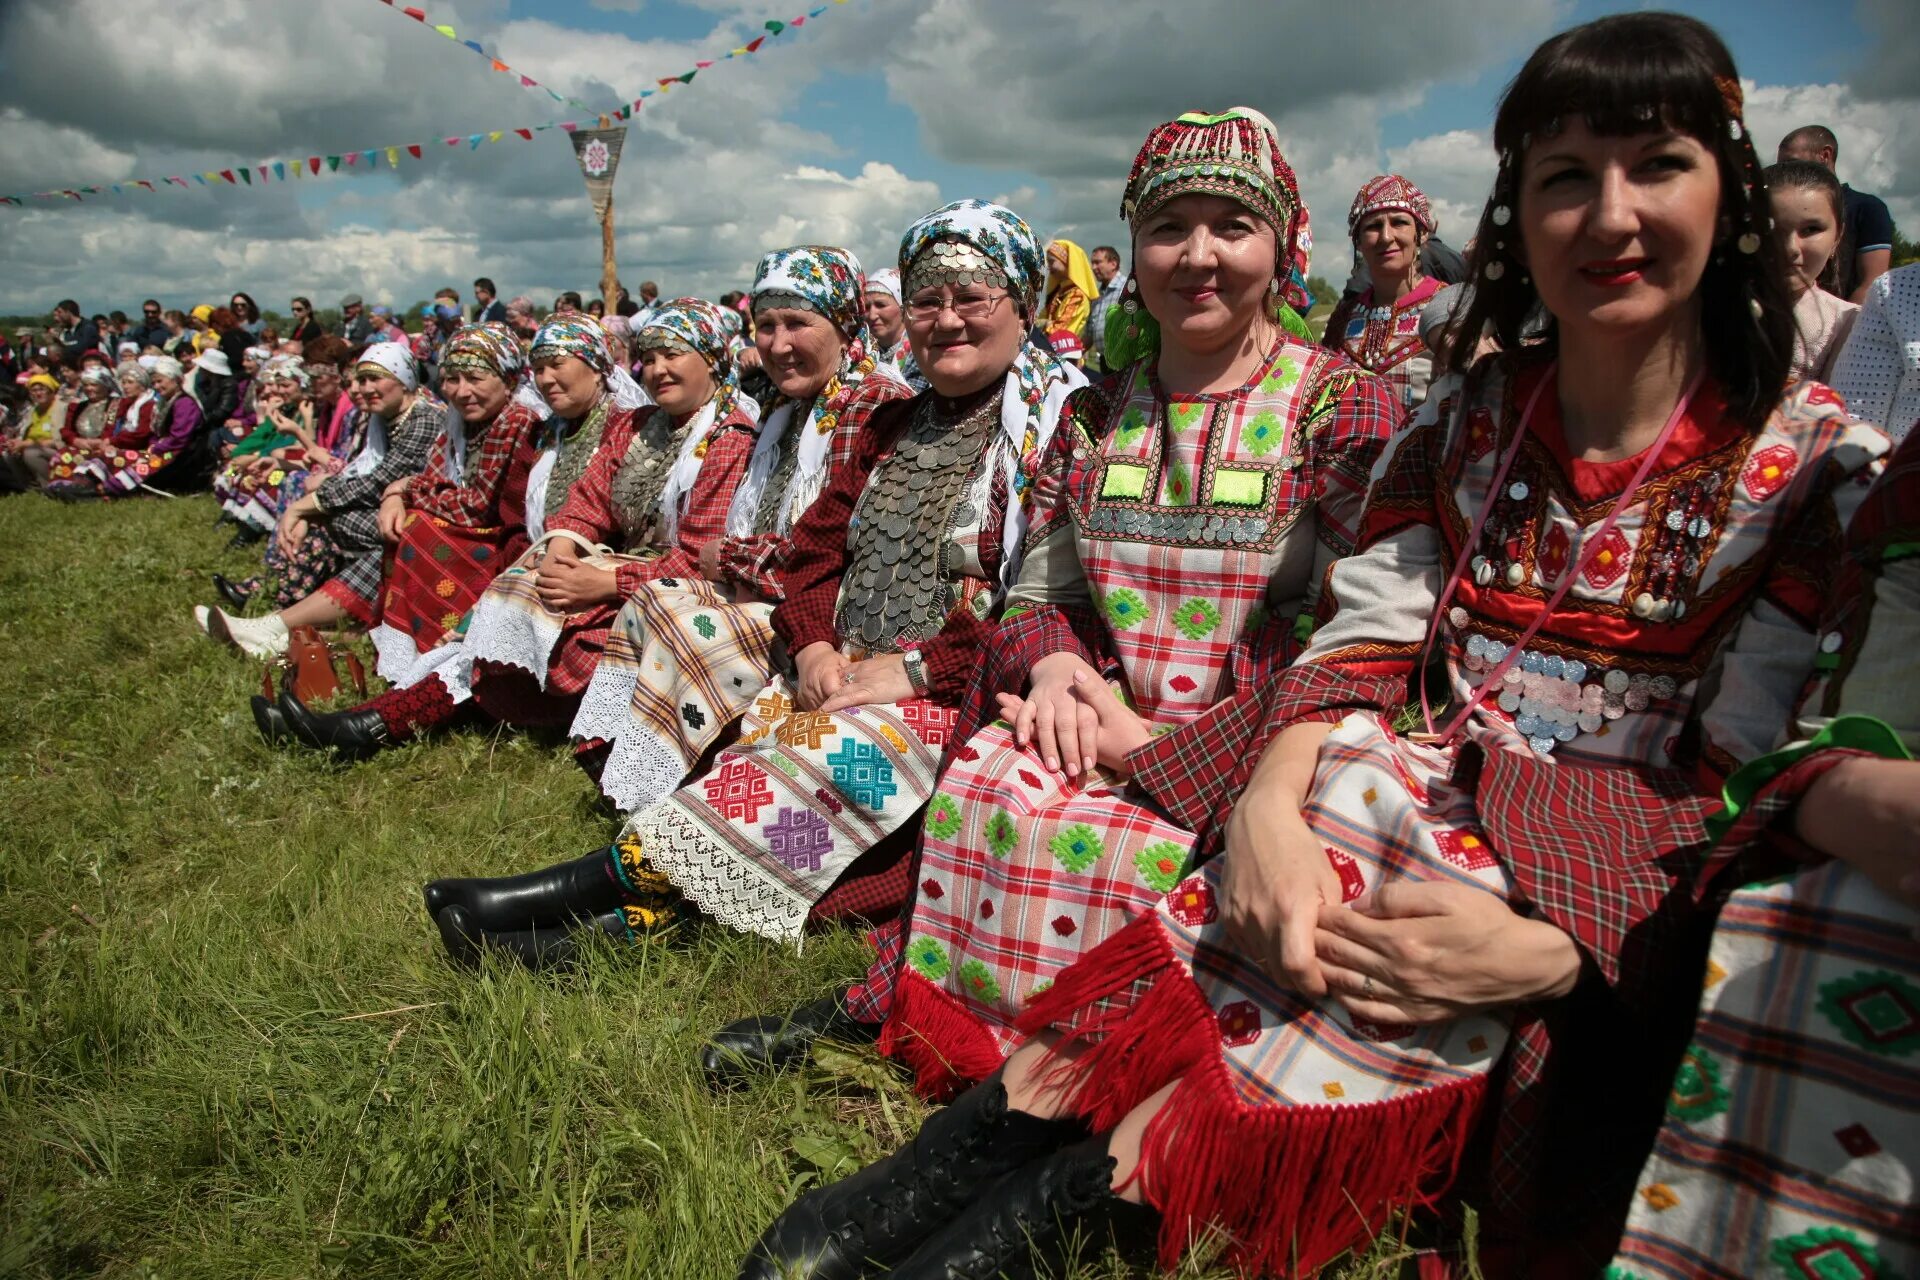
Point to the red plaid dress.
(521, 696)
(1187, 519)
(1294, 1127)
(457, 536)
(1386, 340)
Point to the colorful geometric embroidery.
(1160, 865)
(772, 706)
(800, 838)
(1768, 471)
(1352, 882)
(929, 720)
(807, 730)
(1185, 415)
(738, 790)
(1465, 848)
(863, 775)
(943, 817)
(1196, 618)
(1078, 847)
(1697, 1092)
(1132, 423)
(929, 958)
(1125, 608)
(1609, 561)
(1239, 487)
(1180, 484)
(1282, 375)
(704, 625)
(1263, 433)
(1124, 480)
(1826, 1253)
(1874, 1009)
(1239, 1023)
(1553, 554)
(1659, 1197)
(1857, 1141)
(979, 983)
(1003, 833)
(1192, 904)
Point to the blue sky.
(839, 132)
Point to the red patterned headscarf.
(1391, 191)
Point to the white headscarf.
(887, 281)
(396, 359)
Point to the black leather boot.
(354, 734)
(773, 1041)
(271, 723)
(869, 1221)
(1029, 1221)
(549, 947)
(236, 598)
(556, 895)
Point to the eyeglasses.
(968, 304)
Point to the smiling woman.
(1389, 223)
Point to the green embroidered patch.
(1133, 423)
(704, 625)
(1183, 416)
(1826, 1253)
(1077, 848)
(1161, 864)
(1262, 435)
(1196, 618)
(1124, 480)
(779, 760)
(1283, 375)
(1003, 833)
(1697, 1092)
(943, 817)
(929, 959)
(1240, 488)
(977, 980)
(1875, 1009)
(1180, 485)
(1125, 608)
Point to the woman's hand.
(710, 561)
(1064, 728)
(392, 514)
(1431, 951)
(567, 585)
(821, 669)
(882, 680)
(1276, 879)
(1865, 811)
(291, 530)
(1118, 729)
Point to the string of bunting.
(268, 171)
(526, 81)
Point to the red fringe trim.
(948, 1047)
(1292, 1188)
(359, 609)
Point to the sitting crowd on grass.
(1453, 776)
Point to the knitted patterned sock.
(653, 905)
(415, 710)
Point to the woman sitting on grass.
(162, 438)
(248, 487)
(1457, 850)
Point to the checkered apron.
(783, 813)
(1020, 874)
(683, 662)
(438, 571)
(1792, 1134)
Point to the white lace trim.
(609, 697)
(514, 637)
(395, 652)
(732, 890)
(642, 769)
(451, 662)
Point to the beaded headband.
(952, 262)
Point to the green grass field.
(229, 1045)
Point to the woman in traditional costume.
(90, 420)
(686, 658)
(1389, 223)
(34, 442)
(886, 314)
(172, 419)
(894, 586)
(324, 564)
(1789, 1145)
(1071, 288)
(652, 480)
(1461, 832)
(249, 486)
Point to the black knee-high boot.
(869, 1221)
(572, 890)
(1029, 1221)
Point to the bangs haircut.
(1625, 76)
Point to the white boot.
(256, 637)
(200, 613)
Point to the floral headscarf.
(490, 348)
(827, 282)
(135, 370)
(286, 369)
(1391, 191)
(692, 323)
(1037, 385)
(1235, 154)
(580, 336)
(100, 375)
(699, 326)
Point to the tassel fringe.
(948, 1048)
(1291, 1188)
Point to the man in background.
(521, 320)
(1106, 270)
(74, 331)
(152, 331)
(354, 325)
(486, 299)
(1866, 240)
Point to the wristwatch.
(916, 671)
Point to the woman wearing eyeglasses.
(305, 327)
(897, 576)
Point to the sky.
(839, 132)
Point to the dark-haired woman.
(1808, 220)
(246, 314)
(1461, 871)
(1390, 222)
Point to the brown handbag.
(309, 660)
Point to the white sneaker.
(256, 637)
(200, 613)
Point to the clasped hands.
(828, 680)
(1409, 952)
(567, 584)
(1072, 718)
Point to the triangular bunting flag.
(418, 15)
(245, 176)
(116, 188)
(474, 141)
(817, 12)
(741, 52)
(448, 32)
(413, 149)
(228, 175)
(333, 163)
(200, 178)
(500, 66)
(453, 142)
(494, 136)
(753, 45)
(475, 46)
(775, 27)
(351, 158)
(528, 82)
(800, 21)
(703, 65)
(142, 182)
(687, 78)
(525, 133)
(569, 125)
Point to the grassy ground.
(228, 1043)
